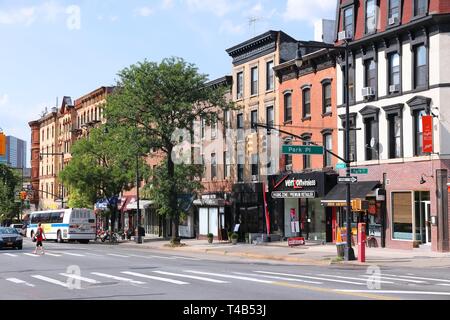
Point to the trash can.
(341, 249)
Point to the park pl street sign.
(359, 171)
(341, 166)
(302, 149)
(347, 180)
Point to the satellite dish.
(373, 142)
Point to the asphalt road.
(96, 271)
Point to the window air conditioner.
(392, 20)
(343, 35)
(289, 167)
(394, 88)
(254, 178)
(368, 92)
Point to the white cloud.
(167, 4)
(218, 7)
(309, 11)
(113, 18)
(144, 11)
(23, 16)
(4, 98)
(229, 27)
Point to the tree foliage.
(9, 181)
(154, 100)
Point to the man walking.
(40, 236)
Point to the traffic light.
(23, 195)
(360, 205)
(2, 144)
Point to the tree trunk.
(173, 199)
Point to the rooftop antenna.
(252, 22)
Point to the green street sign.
(302, 150)
(341, 166)
(359, 171)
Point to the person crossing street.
(40, 236)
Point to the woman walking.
(40, 236)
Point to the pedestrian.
(40, 236)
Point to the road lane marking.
(392, 278)
(117, 278)
(10, 255)
(77, 277)
(50, 280)
(229, 276)
(352, 278)
(18, 281)
(160, 257)
(94, 254)
(313, 278)
(117, 255)
(280, 278)
(186, 258)
(436, 293)
(419, 278)
(74, 254)
(190, 277)
(444, 284)
(31, 254)
(154, 277)
(52, 254)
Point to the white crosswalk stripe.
(190, 277)
(117, 278)
(52, 254)
(10, 255)
(229, 276)
(392, 278)
(280, 278)
(117, 255)
(154, 278)
(186, 258)
(313, 278)
(418, 278)
(50, 280)
(31, 255)
(353, 278)
(78, 277)
(18, 281)
(73, 254)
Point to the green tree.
(79, 200)
(102, 166)
(153, 101)
(9, 182)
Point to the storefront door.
(422, 217)
(427, 207)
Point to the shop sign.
(293, 194)
(300, 183)
(298, 241)
(334, 204)
(427, 135)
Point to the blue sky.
(53, 48)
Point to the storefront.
(368, 206)
(213, 215)
(295, 207)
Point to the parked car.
(10, 238)
(21, 228)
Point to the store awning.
(358, 190)
(125, 201)
(143, 204)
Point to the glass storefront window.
(402, 216)
(317, 226)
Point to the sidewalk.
(311, 253)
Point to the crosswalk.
(185, 277)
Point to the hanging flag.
(427, 134)
(266, 209)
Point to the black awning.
(358, 190)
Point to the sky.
(55, 48)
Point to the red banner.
(427, 134)
(298, 241)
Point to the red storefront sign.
(296, 241)
(427, 135)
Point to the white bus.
(64, 224)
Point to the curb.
(237, 254)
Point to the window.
(204, 165)
(326, 92)
(371, 23)
(420, 7)
(213, 128)
(203, 125)
(328, 144)
(227, 166)
(395, 136)
(213, 166)
(254, 120)
(348, 21)
(352, 139)
(370, 74)
(288, 162)
(351, 83)
(402, 216)
(287, 107)
(270, 123)
(254, 79)
(394, 70)
(306, 103)
(240, 168)
(306, 158)
(420, 66)
(269, 76)
(226, 119)
(394, 9)
(371, 138)
(240, 85)
(418, 132)
(255, 161)
(240, 127)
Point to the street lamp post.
(139, 236)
